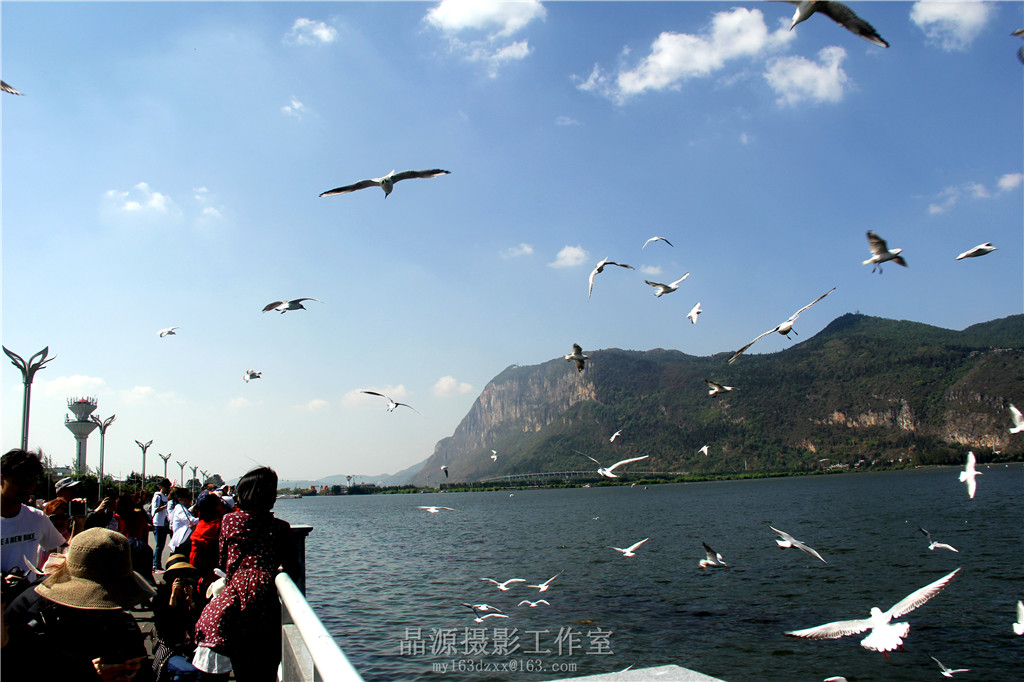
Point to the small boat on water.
(290, 496)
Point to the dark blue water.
(387, 578)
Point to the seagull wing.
(593, 273)
(677, 282)
(7, 88)
(627, 461)
(409, 406)
(362, 184)
(899, 260)
(272, 306)
(810, 550)
(637, 544)
(846, 17)
(410, 174)
(840, 628)
(797, 313)
(919, 597)
(652, 239)
(1016, 416)
(712, 554)
(877, 244)
(785, 536)
(576, 350)
(740, 351)
(926, 533)
(667, 242)
(656, 285)
(717, 387)
(375, 393)
(300, 300)
(623, 265)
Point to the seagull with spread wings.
(787, 540)
(969, 474)
(577, 356)
(656, 239)
(662, 289)
(251, 374)
(631, 550)
(948, 672)
(504, 587)
(391, 403)
(599, 268)
(607, 472)
(694, 312)
(784, 328)
(979, 250)
(713, 558)
(716, 388)
(885, 635)
(839, 13)
(937, 545)
(881, 253)
(386, 183)
(284, 306)
(1018, 420)
(543, 587)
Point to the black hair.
(164, 483)
(18, 462)
(257, 490)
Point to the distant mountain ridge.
(863, 387)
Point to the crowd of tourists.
(73, 575)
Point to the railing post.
(299, 534)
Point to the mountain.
(862, 388)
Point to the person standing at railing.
(240, 629)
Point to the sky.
(163, 167)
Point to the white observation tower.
(81, 427)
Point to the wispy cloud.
(294, 108)
(675, 58)
(650, 269)
(481, 32)
(449, 386)
(566, 121)
(796, 79)
(951, 25)
(309, 32)
(569, 257)
(140, 199)
(516, 251)
(312, 406)
(74, 385)
(1010, 181)
(238, 403)
(950, 196)
(147, 395)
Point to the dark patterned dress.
(244, 621)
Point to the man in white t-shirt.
(161, 524)
(25, 532)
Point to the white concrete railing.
(308, 652)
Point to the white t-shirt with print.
(29, 533)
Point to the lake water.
(388, 579)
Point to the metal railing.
(308, 652)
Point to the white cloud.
(238, 403)
(148, 395)
(489, 25)
(311, 406)
(140, 199)
(677, 57)
(294, 108)
(566, 121)
(948, 197)
(650, 269)
(449, 386)
(76, 385)
(951, 25)
(796, 79)
(309, 32)
(516, 251)
(569, 257)
(1010, 181)
(211, 212)
(744, 138)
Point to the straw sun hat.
(178, 567)
(97, 574)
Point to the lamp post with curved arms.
(206, 477)
(104, 423)
(164, 458)
(144, 448)
(28, 372)
(193, 468)
(182, 465)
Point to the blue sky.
(164, 164)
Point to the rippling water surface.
(387, 578)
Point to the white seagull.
(948, 672)
(937, 545)
(577, 356)
(607, 472)
(979, 250)
(168, 332)
(482, 607)
(1018, 420)
(885, 636)
(631, 550)
(386, 183)
(694, 312)
(504, 587)
(714, 558)
(251, 374)
(494, 455)
(882, 253)
(543, 587)
(284, 306)
(716, 388)
(434, 510)
(534, 604)
(599, 268)
(445, 470)
(968, 475)
(790, 541)
(839, 13)
(785, 328)
(704, 450)
(656, 239)
(480, 613)
(615, 435)
(666, 288)
(1018, 626)
(392, 405)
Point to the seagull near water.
(631, 550)
(599, 268)
(1018, 420)
(434, 510)
(535, 604)
(656, 239)
(251, 374)
(716, 388)
(881, 253)
(948, 672)
(577, 356)
(937, 545)
(543, 587)
(482, 611)
(284, 306)
(979, 250)
(494, 455)
(839, 13)
(885, 636)
(1018, 625)
(504, 587)
(704, 450)
(445, 470)
(969, 474)
(666, 288)
(615, 435)
(392, 405)
(607, 472)
(168, 332)
(784, 328)
(386, 183)
(713, 558)
(694, 312)
(788, 540)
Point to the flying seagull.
(785, 328)
(631, 550)
(615, 435)
(434, 510)
(713, 558)
(694, 312)
(790, 541)
(534, 604)
(543, 587)
(284, 306)
(480, 611)
(386, 183)
(1018, 420)
(715, 388)
(665, 288)
(948, 672)
(979, 250)
(882, 253)
(577, 356)
(8, 89)
(168, 332)
(655, 239)
(445, 470)
(607, 473)
(1018, 626)
(484, 608)
(391, 403)
(504, 587)
(884, 636)
(599, 268)
(704, 449)
(839, 13)
(494, 455)
(968, 475)
(251, 374)
(937, 545)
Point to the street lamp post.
(144, 448)
(182, 465)
(103, 432)
(193, 468)
(206, 476)
(164, 458)
(28, 372)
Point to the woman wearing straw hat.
(74, 625)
